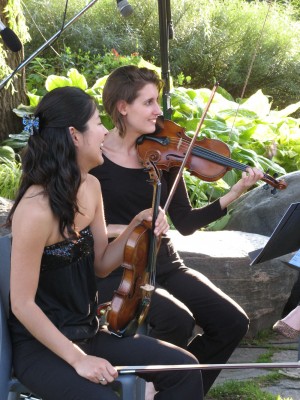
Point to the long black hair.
(49, 160)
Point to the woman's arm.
(248, 179)
(114, 230)
(187, 219)
(110, 256)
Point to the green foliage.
(245, 390)
(221, 41)
(7, 153)
(250, 132)
(214, 40)
(249, 129)
(92, 66)
(10, 173)
(255, 135)
(16, 141)
(266, 357)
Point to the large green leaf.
(55, 81)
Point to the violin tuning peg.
(273, 191)
(275, 175)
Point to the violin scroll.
(276, 184)
(272, 181)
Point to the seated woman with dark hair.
(59, 244)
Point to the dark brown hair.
(124, 83)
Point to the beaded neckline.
(67, 241)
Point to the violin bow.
(189, 150)
(180, 367)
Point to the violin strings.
(218, 158)
(211, 155)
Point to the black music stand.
(285, 239)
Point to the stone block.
(262, 290)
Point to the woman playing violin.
(183, 297)
(59, 244)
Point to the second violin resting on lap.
(130, 303)
(183, 297)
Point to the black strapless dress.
(67, 291)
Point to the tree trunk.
(14, 94)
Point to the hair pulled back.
(49, 159)
(124, 83)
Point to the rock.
(258, 211)
(261, 290)
(222, 256)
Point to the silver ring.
(102, 380)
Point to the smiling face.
(89, 143)
(140, 115)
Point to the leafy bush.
(222, 40)
(214, 40)
(10, 173)
(254, 134)
(90, 65)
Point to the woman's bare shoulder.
(34, 207)
(93, 183)
(33, 220)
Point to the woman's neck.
(121, 150)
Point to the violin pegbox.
(272, 181)
(273, 190)
(154, 173)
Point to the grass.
(253, 389)
(241, 390)
(236, 390)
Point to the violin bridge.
(179, 144)
(147, 287)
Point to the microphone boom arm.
(46, 44)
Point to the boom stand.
(166, 33)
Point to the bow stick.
(159, 368)
(189, 150)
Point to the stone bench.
(222, 256)
(262, 290)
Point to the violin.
(131, 301)
(209, 159)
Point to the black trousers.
(183, 298)
(49, 377)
